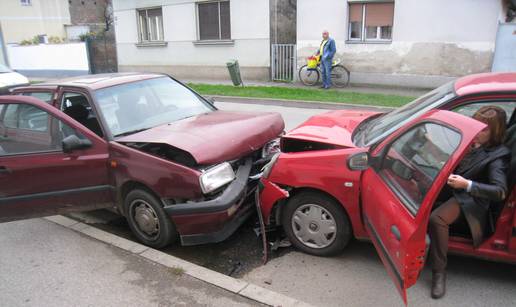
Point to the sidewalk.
(44, 264)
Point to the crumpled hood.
(334, 127)
(216, 136)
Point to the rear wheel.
(316, 224)
(147, 219)
(340, 76)
(308, 76)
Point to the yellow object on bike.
(312, 62)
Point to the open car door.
(408, 171)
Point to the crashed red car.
(144, 144)
(375, 176)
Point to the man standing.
(326, 51)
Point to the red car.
(145, 144)
(374, 176)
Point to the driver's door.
(398, 191)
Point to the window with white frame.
(213, 20)
(150, 25)
(25, 2)
(370, 21)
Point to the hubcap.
(314, 226)
(146, 218)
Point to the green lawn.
(311, 94)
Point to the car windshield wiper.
(131, 132)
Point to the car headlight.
(271, 148)
(216, 177)
(267, 168)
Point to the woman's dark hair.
(496, 119)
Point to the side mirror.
(359, 161)
(72, 142)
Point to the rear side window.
(44, 96)
(414, 160)
(26, 129)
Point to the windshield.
(378, 128)
(4, 69)
(141, 105)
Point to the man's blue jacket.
(329, 50)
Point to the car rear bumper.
(216, 219)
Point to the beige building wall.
(21, 22)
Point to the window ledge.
(368, 42)
(152, 44)
(226, 42)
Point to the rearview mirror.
(359, 161)
(72, 142)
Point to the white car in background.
(10, 79)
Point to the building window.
(25, 2)
(150, 23)
(370, 21)
(214, 20)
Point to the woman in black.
(479, 182)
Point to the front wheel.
(340, 76)
(147, 219)
(308, 76)
(316, 224)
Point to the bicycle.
(310, 76)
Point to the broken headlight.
(215, 177)
(271, 148)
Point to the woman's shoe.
(438, 284)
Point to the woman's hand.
(458, 182)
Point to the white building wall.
(181, 56)
(433, 40)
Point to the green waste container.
(234, 72)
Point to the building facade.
(419, 43)
(23, 19)
(193, 39)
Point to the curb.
(237, 286)
(307, 104)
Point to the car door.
(37, 177)
(408, 171)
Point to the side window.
(77, 106)
(470, 109)
(414, 160)
(26, 129)
(44, 96)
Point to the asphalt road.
(355, 278)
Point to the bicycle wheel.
(308, 76)
(340, 76)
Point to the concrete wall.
(433, 40)
(49, 60)
(41, 17)
(183, 58)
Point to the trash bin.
(234, 72)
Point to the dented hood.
(335, 127)
(216, 136)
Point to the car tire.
(147, 219)
(325, 231)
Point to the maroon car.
(145, 144)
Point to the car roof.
(99, 81)
(486, 82)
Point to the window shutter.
(355, 12)
(208, 20)
(225, 21)
(379, 14)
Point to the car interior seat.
(81, 114)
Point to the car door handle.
(4, 170)
(396, 232)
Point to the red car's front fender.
(269, 195)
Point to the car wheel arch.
(129, 186)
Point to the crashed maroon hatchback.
(145, 144)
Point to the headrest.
(78, 112)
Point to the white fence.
(283, 62)
(61, 59)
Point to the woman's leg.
(440, 222)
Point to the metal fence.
(283, 62)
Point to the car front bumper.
(215, 220)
